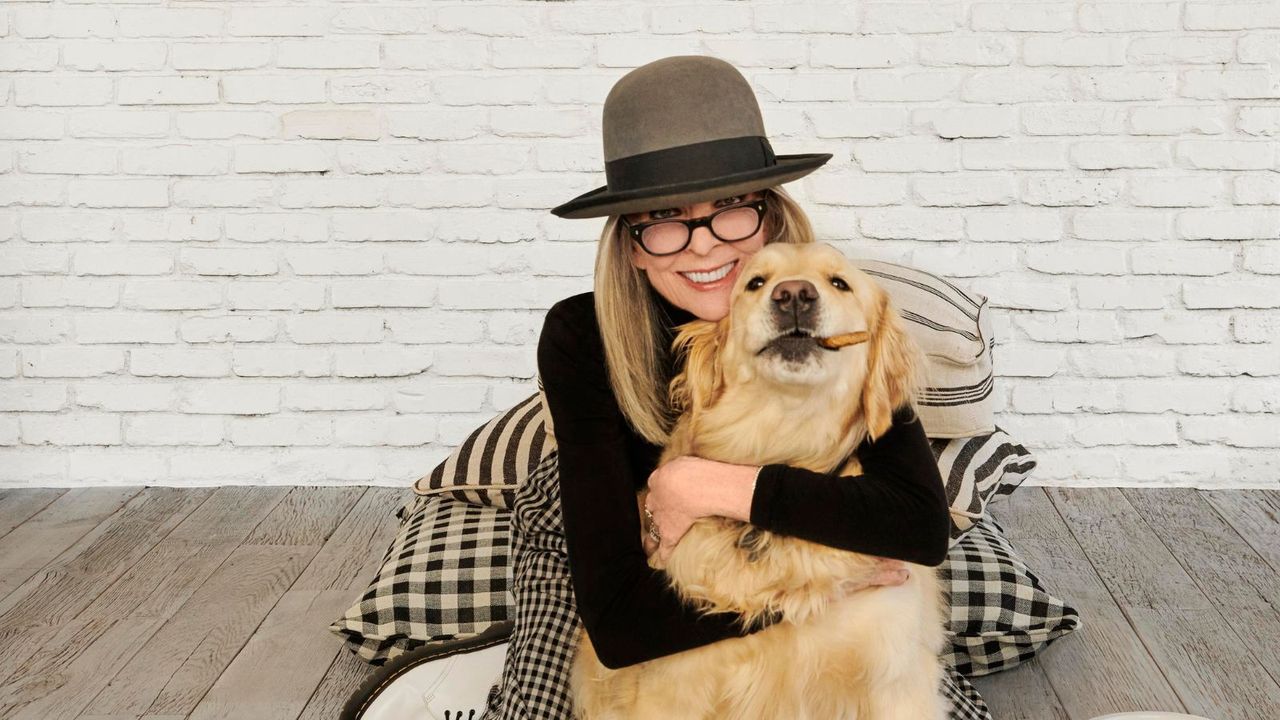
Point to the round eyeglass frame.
(635, 231)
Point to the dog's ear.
(698, 385)
(894, 364)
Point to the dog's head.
(791, 309)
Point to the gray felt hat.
(681, 130)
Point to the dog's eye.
(838, 283)
(755, 283)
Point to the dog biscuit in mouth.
(839, 341)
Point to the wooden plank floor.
(162, 603)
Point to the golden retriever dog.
(811, 360)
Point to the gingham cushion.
(446, 575)
(1001, 614)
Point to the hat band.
(697, 161)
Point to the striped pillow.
(953, 328)
(977, 470)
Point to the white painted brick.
(337, 327)
(10, 431)
(224, 328)
(171, 294)
(1129, 17)
(1122, 293)
(1123, 429)
(436, 326)
(1254, 396)
(64, 22)
(1258, 121)
(62, 90)
(855, 52)
(178, 362)
(437, 53)
(1112, 155)
(278, 21)
(1176, 120)
(1014, 155)
(331, 192)
(119, 192)
(100, 328)
(486, 294)
(972, 50)
(219, 56)
(1257, 47)
(1231, 15)
(1184, 466)
(439, 124)
(336, 261)
(27, 328)
(1247, 83)
(122, 260)
(68, 160)
(1182, 261)
(906, 156)
(908, 223)
(382, 361)
(68, 227)
(384, 292)
(175, 160)
(1127, 84)
(283, 430)
(964, 189)
(437, 397)
(1173, 49)
(281, 361)
(50, 191)
(397, 431)
(1228, 154)
(1017, 86)
(387, 20)
(1014, 226)
(318, 396)
(276, 295)
(382, 226)
(413, 159)
(454, 429)
(117, 466)
(170, 22)
(276, 227)
(222, 193)
(284, 158)
(167, 90)
(1073, 50)
(119, 124)
(30, 125)
(72, 429)
(230, 399)
(1181, 395)
(1022, 17)
(174, 227)
(71, 362)
(220, 125)
(1257, 189)
(173, 429)
(1060, 191)
(332, 124)
(33, 397)
(1236, 293)
(487, 20)
(490, 361)
(1261, 431)
(1261, 361)
(1176, 190)
(1106, 362)
(917, 17)
(117, 55)
(858, 189)
(273, 88)
(116, 396)
(327, 54)
(227, 261)
(1178, 328)
(233, 466)
(1229, 224)
(976, 122)
(1075, 327)
(1264, 260)
(1106, 224)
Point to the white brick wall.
(243, 243)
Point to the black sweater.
(897, 508)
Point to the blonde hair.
(630, 321)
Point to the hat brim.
(600, 202)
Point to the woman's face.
(705, 254)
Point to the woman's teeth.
(712, 276)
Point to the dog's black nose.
(800, 293)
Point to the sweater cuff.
(766, 487)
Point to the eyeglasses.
(728, 224)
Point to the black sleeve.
(896, 508)
(629, 610)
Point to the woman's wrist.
(729, 491)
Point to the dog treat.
(839, 341)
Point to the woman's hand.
(674, 501)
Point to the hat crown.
(677, 101)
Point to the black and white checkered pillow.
(448, 574)
(1001, 614)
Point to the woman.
(683, 140)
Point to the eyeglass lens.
(731, 225)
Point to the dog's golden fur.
(870, 655)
